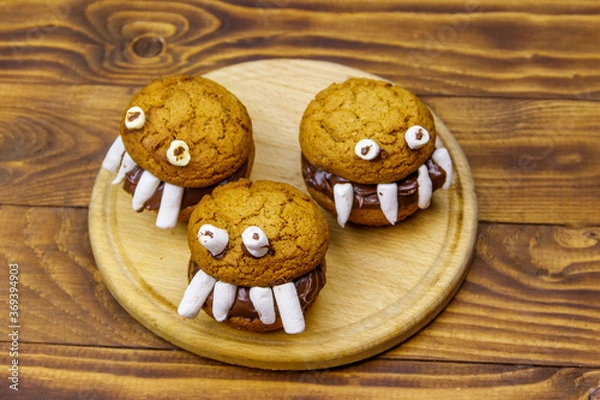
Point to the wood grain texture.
(515, 81)
(533, 161)
(520, 49)
(535, 287)
(530, 296)
(63, 297)
(50, 148)
(151, 374)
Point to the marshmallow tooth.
(127, 165)
(442, 158)
(256, 241)
(112, 160)
(213, 239)
(195, 295)
(144, 190)
(262, 300)
(289, 307)
(388, 200)
(170, 205)
(223, 299)
(343, 196)
(425, 187)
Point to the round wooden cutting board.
(383, 284)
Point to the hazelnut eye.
(178, 153)
(135, 118)
(416, 137)
(255, 241)
(367, 149)
(213, 239)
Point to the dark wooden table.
(518, 84)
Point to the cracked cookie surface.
(297, 231)
(360, 108)
(205, 115)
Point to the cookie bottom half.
(243, 315)
(366, 207)
(362, 216)
(191, 196)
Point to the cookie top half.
(187, 131)
(366, 111)
(297, 233)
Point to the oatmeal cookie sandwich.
(257, 256)
(181, 136)
(370, 152)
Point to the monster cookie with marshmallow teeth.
(370, 153)
(181, 136)
(257, 256)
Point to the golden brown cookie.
(203, 114)
(344, 114)
(181, 136)
(260, 236)
(295, 226)
(370, 152)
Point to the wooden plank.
(522, 49)
(533, 161)
(58, 372)
(53, 140)
(530, 296)
(62, 296)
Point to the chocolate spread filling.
(365, 196)
(191, 196)
(308, 287)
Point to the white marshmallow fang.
(195, 295)
(289, 307)
(442, 158)
(144, 190)
(213, 239)
(425, 187)
(255, 241)
(135, 118)
(127, 165)
(178, 153)
(170, 205)
(367, 149)
(112, 160)
(223, 299)
(262, 300)
(343, 196)
(416, 137)
(388, 200)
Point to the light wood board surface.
(384, 284)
